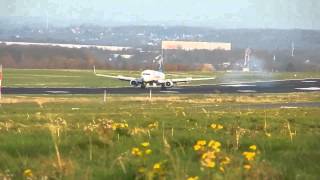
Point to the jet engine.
(168, 84)
(134, 83)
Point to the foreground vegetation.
(169, 137)
(86, 78)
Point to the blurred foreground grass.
(170, 137)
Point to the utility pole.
(150, 93)
(274, 62)
(0, 81)
(105, 96)
(246, 65)
(292, 49)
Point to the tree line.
(175, 60)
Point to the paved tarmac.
(280, 86)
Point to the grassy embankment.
(80, 137)
(86, 78)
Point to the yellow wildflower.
(201, 142)
(197, 147)
(208, 163)
(156, 166)
(215, 145)
(148, 151)
(145, 144)
(213, 126)
(207, 159)
(221, 169)
(27, 173)
(247, 166)
(253, 147)
(225, 161)
(216, 126)
(249, 155)
(153, 125)
(193, 178)
(136, 152)
(114, 127)
(208, 155)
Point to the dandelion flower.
(197, 147)
(216, 126)
(247, 166)
(213, 126)
(268, 134)
(193, 178)
(136, 152)
(208, 155)
(156, 166)
(215, 145)
(114, 127)
(249, 155)
(208, 163)
(27, 173)
(148, 151)
(153, 125)
(225, 161)
(145, 144)
(201, 142)
(253, 147)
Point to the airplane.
(152, 78)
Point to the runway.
(278, 86)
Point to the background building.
(191, 45)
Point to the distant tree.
(8, 61)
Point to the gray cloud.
(215, 13)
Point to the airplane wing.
(180, 80)
(123, 78)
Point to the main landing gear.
(143, 86)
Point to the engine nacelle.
(134, 83)
(168, 84)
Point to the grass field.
(86, 78)
(170, 137)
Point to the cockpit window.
(147, 74)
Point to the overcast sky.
(284, 14)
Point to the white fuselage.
(152, 76)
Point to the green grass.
(28, 134)
(86, 78)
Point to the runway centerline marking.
(238, 85)
(310, 88)
(309, 81)
(58, 92)
(169, 91)
(247, 91)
